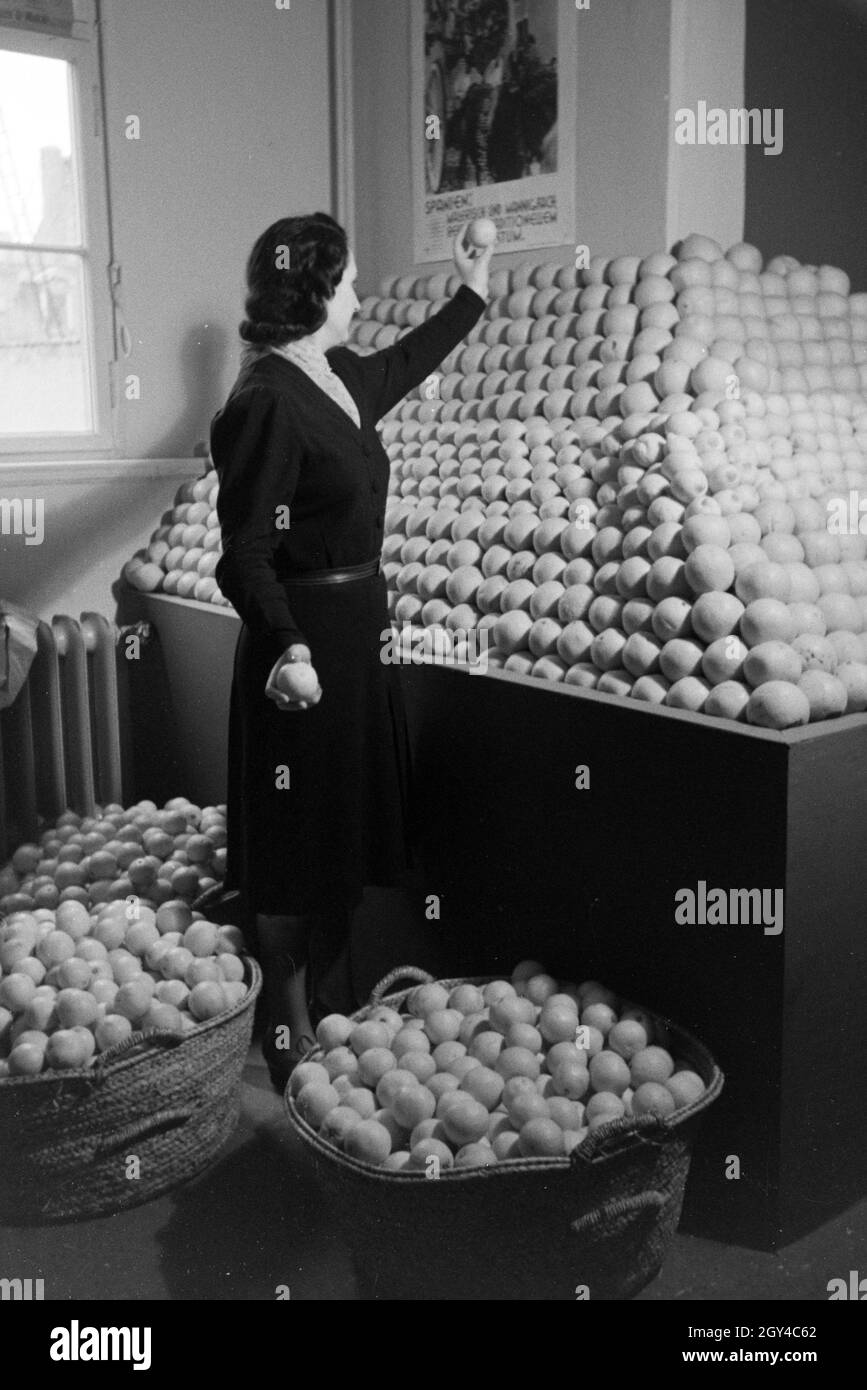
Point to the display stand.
(523, 863)
(526, 864)
(186, 676)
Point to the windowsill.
(24, 472)
(186, 603)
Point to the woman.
(317, 787)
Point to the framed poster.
(493, 121)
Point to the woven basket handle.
(612, 1141)
(139, 1042)
(400, 972)
(602, 1219)
(147, 1127)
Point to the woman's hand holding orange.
(293, 683)
(473, 264)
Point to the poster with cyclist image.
(493, 129)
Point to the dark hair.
(293, 270)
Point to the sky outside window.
(34, 115)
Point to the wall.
(235, 132)
(234, 106)
(94, 521)
(632, 187)
(810, 58)
(706, 184)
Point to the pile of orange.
(471, 1076)
(85, 964)
(648, 457)
(666, 446)
(154, 855)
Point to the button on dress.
(317, 799)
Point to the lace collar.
(306, 353)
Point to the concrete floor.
(256, 1221)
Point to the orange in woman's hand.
(297, 680)
(482, 232)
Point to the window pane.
(39, 201)
(44, 363)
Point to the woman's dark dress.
(302, 488)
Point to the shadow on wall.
(809, 58)
(203, 362)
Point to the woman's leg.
(331, 985)
(284, 955)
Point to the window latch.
(122, 332)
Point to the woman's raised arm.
(387, 376)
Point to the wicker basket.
(169, 1099)
(526, 1229)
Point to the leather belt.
(335, 576)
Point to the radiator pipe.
(100, 638)
(46, 706)
(76, 712)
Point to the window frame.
(95, 249)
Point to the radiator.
(60, 741)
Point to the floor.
(255, 1223)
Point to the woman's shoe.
(332, 992)
(329, 973)
(282, 1062)
(317, 1012)
(299, 1050)
(221, 905)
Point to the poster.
(45, 16)
(493, 121)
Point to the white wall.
(235, 119)
(96, 517)
(706, 185)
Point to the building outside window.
(56, 350)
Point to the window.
(55, 304)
